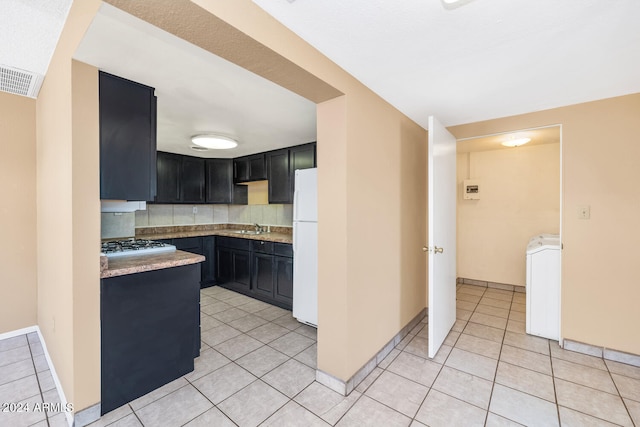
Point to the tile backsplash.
(160, 215)
(117, 225)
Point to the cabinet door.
(283, 280)
(278, 176)
(209, 265)
(219, 180)
(168, 172)
(127, 139)
(257, 167)
(224, 265)
(241, 169)
(192, 180)
(242, 269)
(301, 157)
(262, 280)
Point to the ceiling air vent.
(20, 82)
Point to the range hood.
(121, 206)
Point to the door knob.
(425, 249)
(438, 250)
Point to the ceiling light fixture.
(214, 142)
(516, 142)
(454, 4)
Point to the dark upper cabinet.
(250, 168)
(281, 167)
(302, 157)
(127, 139)
(219, 183)
(192, 181)
(169, 175)
(278, 176)
(181, 179)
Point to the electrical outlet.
(195, 210)
(584, 212)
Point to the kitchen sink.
(249, 232)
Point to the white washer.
(543, 286)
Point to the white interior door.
(442, 233)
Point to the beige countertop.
(120, 266)
(279, 234)
(123, 265)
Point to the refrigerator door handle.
(295, 237)
(295, 205)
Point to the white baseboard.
(63, 400)
(346, 387)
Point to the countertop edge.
(267, 237)
(142, 263)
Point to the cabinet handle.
(262, 243)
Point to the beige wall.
(599, 168)
(17, 212)
(520, 197)
(372, 192)
(68, 222)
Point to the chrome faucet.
(258, 228)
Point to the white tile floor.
(257, 367)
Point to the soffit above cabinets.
(198, 92)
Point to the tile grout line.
(46, 414)
(618, 390)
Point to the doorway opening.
(505, 197)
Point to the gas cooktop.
(130, 247)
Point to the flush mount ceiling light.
(214, 142)
(454, 4)
(516, 142)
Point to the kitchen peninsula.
(150, 323)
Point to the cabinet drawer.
(262, 246)
(234, 243)
(283, 249)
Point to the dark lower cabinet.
(149, 331)
(202, 246)
(209, 266)
(260, 269)
(262, 274)
(242, 269)
(283, 280)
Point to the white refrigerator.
(305, 246)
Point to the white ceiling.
(198, 92)
(29, 32)
(484, 59)
(479, 60)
